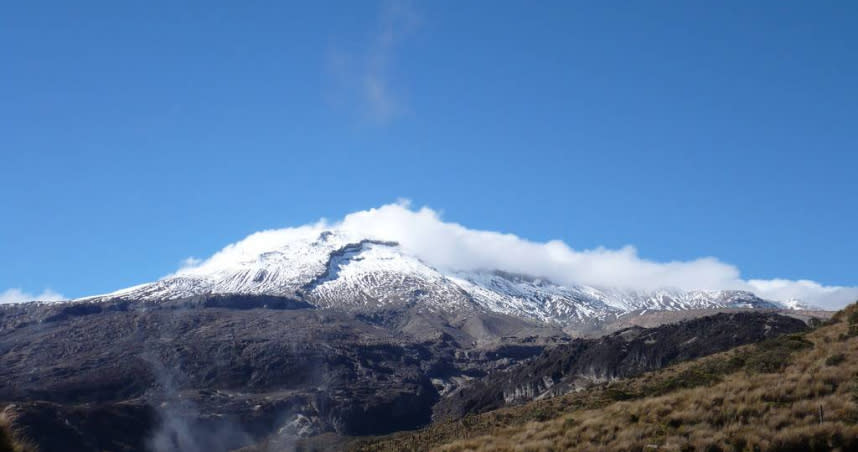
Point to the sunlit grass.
(794, 393)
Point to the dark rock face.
(221, 372)
(175, 374)
(622, 354)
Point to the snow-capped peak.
(337, 269)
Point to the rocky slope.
(249, 365)
(223, 371)
(582, 362)
(797, 392)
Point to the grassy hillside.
(8, 443)
(795, 393)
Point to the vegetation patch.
(835, 359)
(797, 392)
(8, 443)
(773, 355)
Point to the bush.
(852, 321)
(835, 360)
(619, 394)
(541, 415)
(774, 355)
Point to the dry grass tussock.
(8, 442)
(794, 393)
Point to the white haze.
(15, 295)
(451, 246)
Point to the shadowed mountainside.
(246, 365)
(222, 372)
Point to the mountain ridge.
(339, 270)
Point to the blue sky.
(134, 135)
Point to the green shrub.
(541, 415)
(619, 394)
(835, 360)
(773, 355)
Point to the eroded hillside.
(795, 393)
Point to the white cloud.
(365, 77)
(190, 262)
(15, 295)
(447, 245)
(810, 292)
(453, 246)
